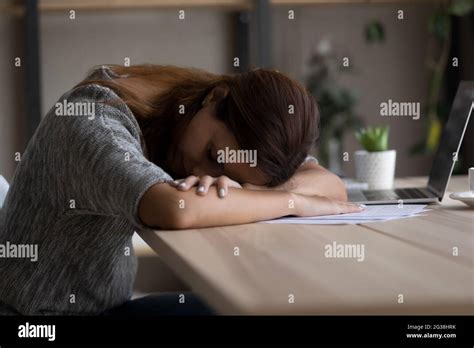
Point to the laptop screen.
(451, 138)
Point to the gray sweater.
(74, 196)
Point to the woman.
(153, 146)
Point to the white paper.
(372, 213)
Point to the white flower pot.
(377, 169)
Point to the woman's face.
(197, 153)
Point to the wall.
(11, 111)
(394, 69)
(71, 47)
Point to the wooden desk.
(411, 257)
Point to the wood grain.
(411, 257)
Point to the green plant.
(373, 139)
(437, 107)
(439, 27)
(374, 32)
(336, 103)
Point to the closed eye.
(212, 156)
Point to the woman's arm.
(311, 179)
(162, 206)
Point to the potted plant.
(336, 103)
(375, 165)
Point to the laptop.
(443, 163)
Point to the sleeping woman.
(157, 147)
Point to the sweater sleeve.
(104, 165)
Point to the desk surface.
(409, 266)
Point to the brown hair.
(257, 110)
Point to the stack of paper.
(371, 213)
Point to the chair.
(3, 190)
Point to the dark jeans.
(161, 304)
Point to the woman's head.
(254, 127)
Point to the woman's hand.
(317, 205)
(204, 182)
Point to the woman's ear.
(217, 94)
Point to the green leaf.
(439, 25)
(374, 32)
(434, 132)
(461, 7)
(373, 139)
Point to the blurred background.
(352, 55)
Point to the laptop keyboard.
(407, 193)
(413, 193)
(380, 195)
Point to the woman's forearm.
(163, 206)
(316, 182)
(312, 181)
